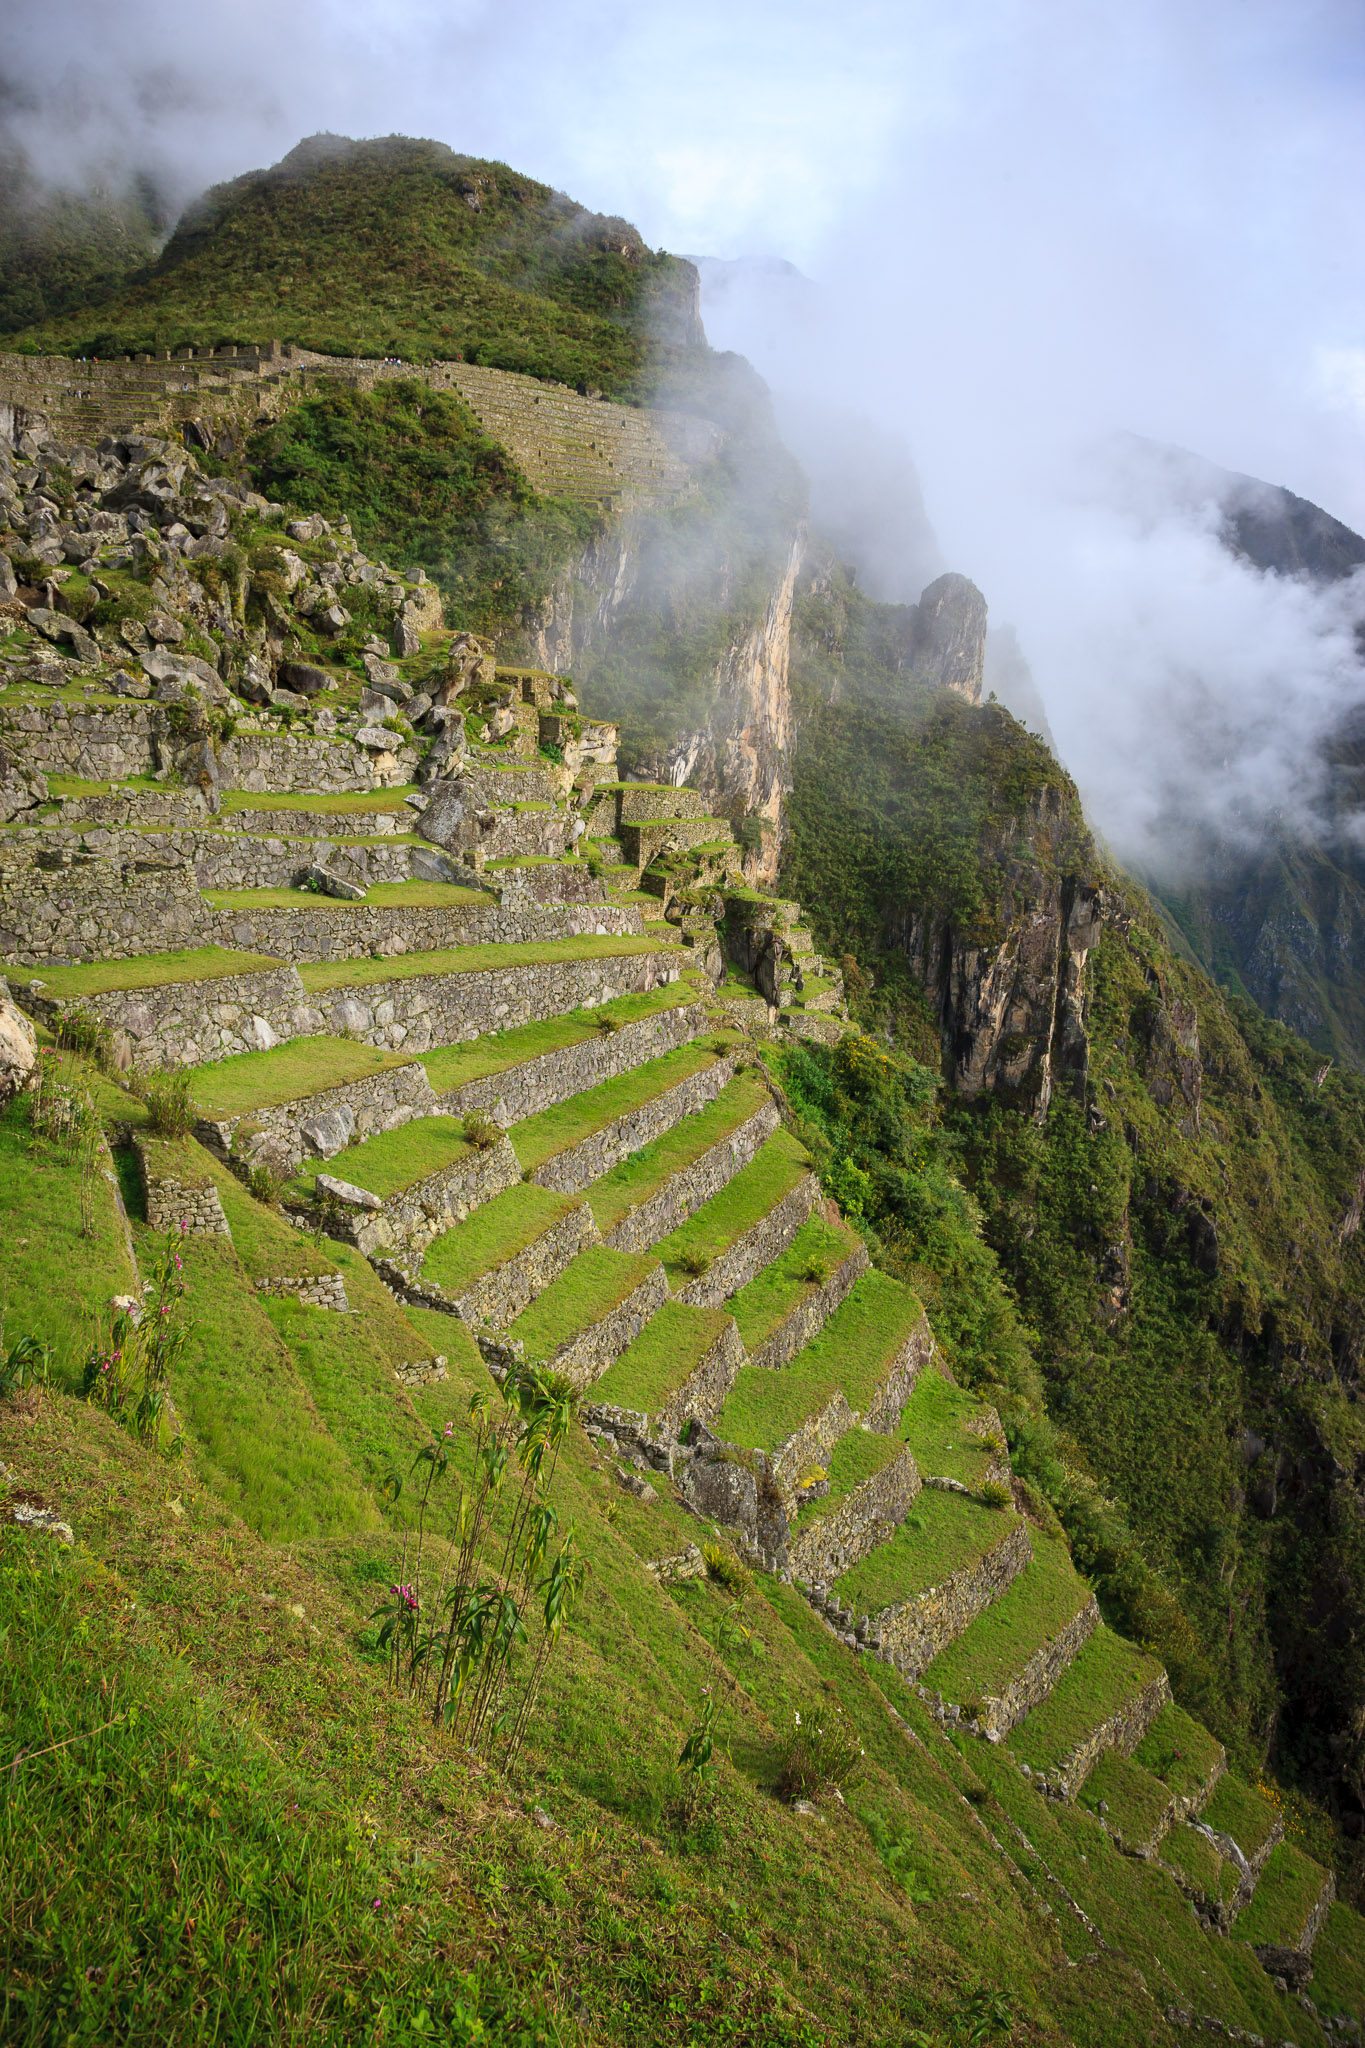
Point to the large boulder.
(444, 821)
(305, 679)
(18, 1046)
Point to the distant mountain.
(396, 247)
(1284, 920)
(59, 249)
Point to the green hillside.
(396, 247)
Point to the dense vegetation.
(60, 249)
(396, 247)
(423, 484)
(1165, 1291)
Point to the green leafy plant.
(170, 1112)
(25, 1364)
(695, 1756)
(463, 1647)
(897, 1852)
(984, 2015)
(129, 1376)
(694, 1262)
(994, 1495)
(821, 1749)
(481, 1131)
(725, 1569)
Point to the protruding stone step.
(248, 1104)
(947, 1562)
(397, 1191)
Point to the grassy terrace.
(585, 1293)
(566, 1124)
(153, 970)
(852, 1352)
(759, 1187)
(1286, 1892)
(320, 975)
(641, 1175)
(493, 1234)
(333, 806)
(451, 1066)
(1046, 1595)
(1107, 1672)
(669, 1348)
(1237, 1810)
(410, 895)
(934, 1426)
(302, 1066)
(1339, 1962)
(392, 1160)
(1213, 1875)
(1180, 1751)
(1137, 1801)
(943, 1533)
(856, 1458)
(767, 1301)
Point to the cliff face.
(1012, 1010)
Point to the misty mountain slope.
(1177, 1233)
(1277, 908)
(59, 249)
(398, 247)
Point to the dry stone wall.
(58, 907)
(222, 859)
(184, 1023)
(1123, 1731)
(701, 1396)
(537, 1084)
(808, 1448)
(407, 1222)
(757, 1248)
(823, 1545)
(901, 1379)
(999, 1712)
(914, 1632)
(192, 1208)
(316, 1290)
(319, 1126)
(682, 1195)
(318, 929)
(809, 1317)
(574, 1169)
(500, 1294)
(413, 1013)
(586, 1357)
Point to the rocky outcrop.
(18, 1045)
(1010, 999)
(947, 638)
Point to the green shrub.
(481, 1131)
(994, 1495)
(822, 1749)
(170, 1113)
(725, 1569)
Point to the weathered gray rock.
(162, 627)
(55, 626)
(311, 528)
(9, 582)
(428, 866)
(301, 676)
(254, 682)
(345, 1192)
(723, 1492)
(331, 1132)
(948, 636)
(332, 884)
(18, 1045)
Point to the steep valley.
(666, 1375)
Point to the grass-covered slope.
(395, 247)
(1159, 1283)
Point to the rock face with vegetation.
(591, 1452)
